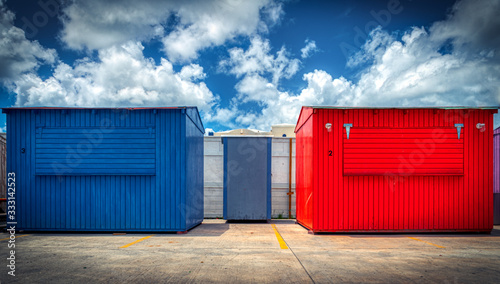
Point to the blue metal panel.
(120, 184)
(247, 178)
(224, 193)
(269, 163)
(194, 116)
(194, 170)
(182, 162)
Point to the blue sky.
(249, 64)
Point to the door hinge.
(347, 128)
(459, 127)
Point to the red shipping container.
(395, 170)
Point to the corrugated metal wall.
(305, 174)
(496, 161)
(81, 192)
(398, 201)
(382, 151)
(194, 168)
(496, 176)
(247, 178)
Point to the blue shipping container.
(103, 169)
(247, 178)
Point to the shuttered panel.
(403, 151)
(95, 151)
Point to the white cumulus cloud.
(309, 49)
(95, 24)
(121, 77)
(19, 55)
(453, 63)
(472, 27)
(184, 27)
(258, 60)
(192, 72)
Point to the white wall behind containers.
(282, 178)
(214, 177)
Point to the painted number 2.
(330, 153)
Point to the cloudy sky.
(249, 64)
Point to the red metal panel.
(496, 161)
(304, 173)
(403, 151)
(305, 114)
(496, 176)
(394, 201)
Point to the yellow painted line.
(16, 237)
(138, 241)
(280, 239)
(425, 242)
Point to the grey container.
(247, 178)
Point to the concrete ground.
(239, 253)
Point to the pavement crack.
(300, 262)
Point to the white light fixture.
(328, 127)
(481, 127)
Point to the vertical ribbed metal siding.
(100, 202)
(496, 176)
(496, 160)
(403, 151)
(247, 178)
(194, 169)
(304, 168)
(402, 203)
